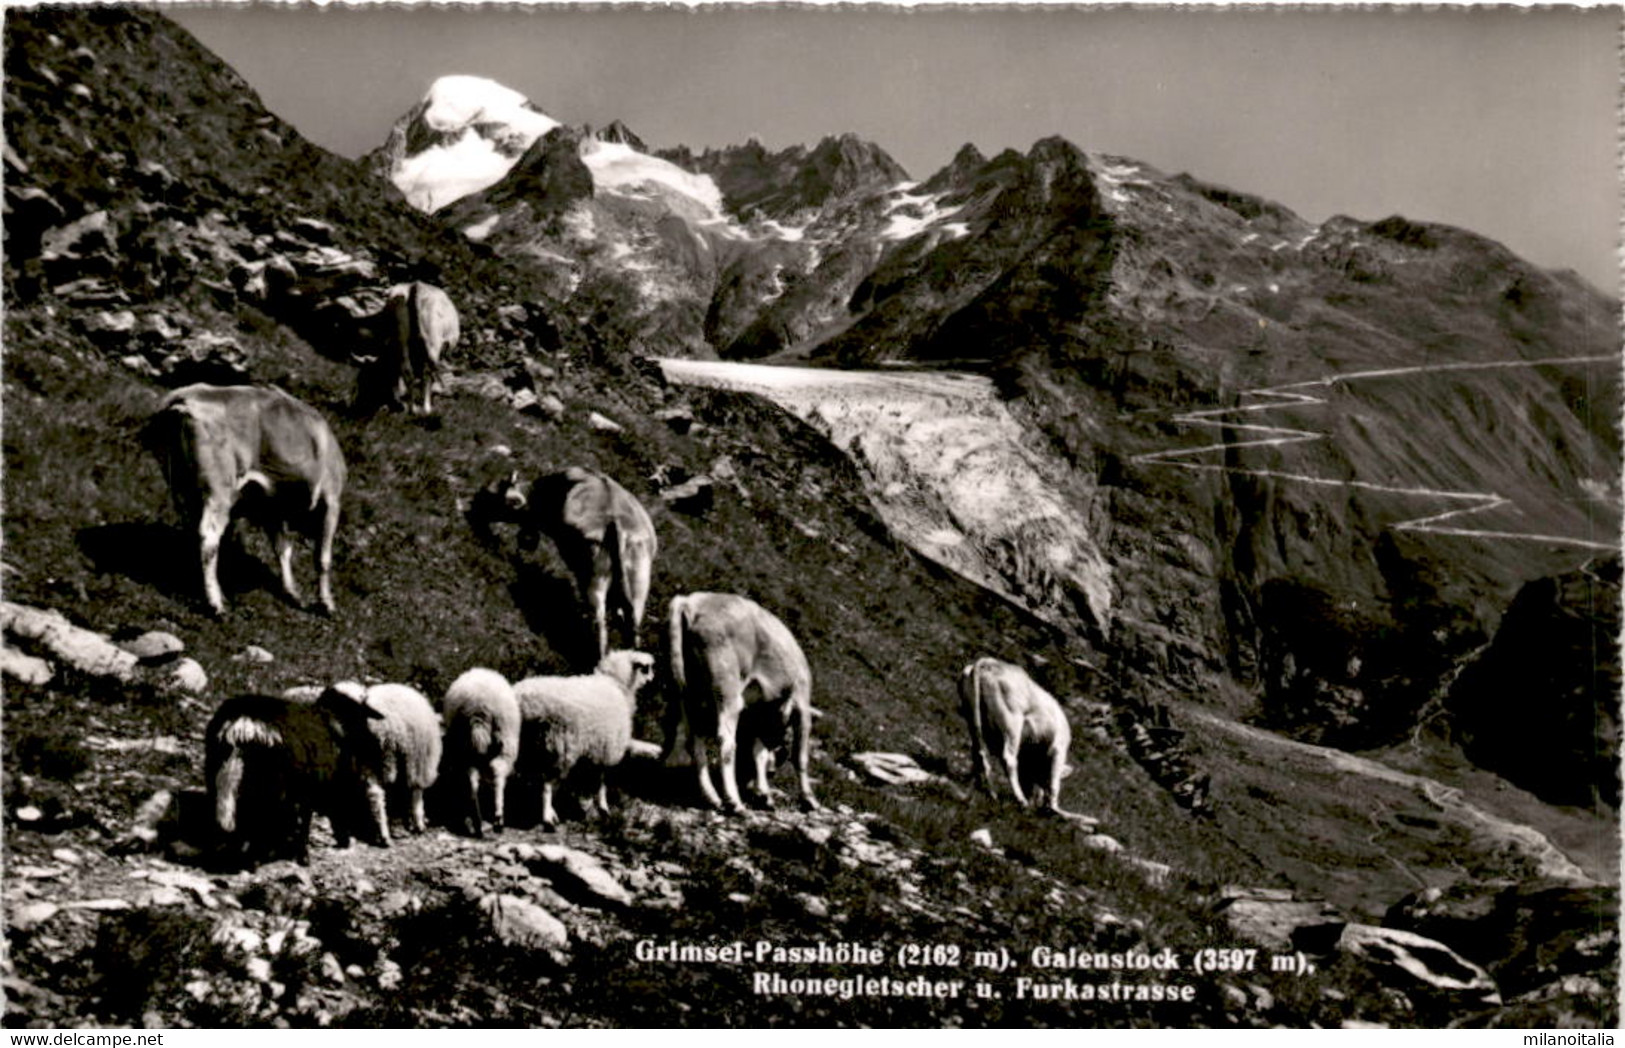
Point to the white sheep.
(482, 734)
(401, 745)
(588, 717)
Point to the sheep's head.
(347, 704)
(633, 669)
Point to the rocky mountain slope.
(209, 241)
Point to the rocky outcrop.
(1420, 967)
(1532, 936)
(783, 184)
(1541, 704)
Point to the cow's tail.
(676, 724)
(622, 565)
(677, 629)
(421, 359)
(970, 697)
(970, 707)
(168, 436)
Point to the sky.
(1501, 120)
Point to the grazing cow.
(416, 327)
(718, 646)
(1010, 715)
(601, 530)
(255, 445)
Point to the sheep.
(482, 732)
(588, 717)
(270, 762)
(402, 744)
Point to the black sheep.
(272, 762)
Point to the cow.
(416, 327)
(603, 533)
(1010, 715)
(220, 446)
(718, 645)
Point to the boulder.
(679, 420)
(88, 292)
(549, 407)
(84, 247)
(1526, 934)
(187, 676)
(579, 876)
(519, 922)
(84, 650)
(890, 769)
(603, 424)
(1420, 963)
(694, 495)
(153, 647)
(30, 211)
(1263, 916)
(25, 669)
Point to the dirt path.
(1276, 397)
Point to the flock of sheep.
(272, 762)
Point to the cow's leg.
(803, 753)
(216, 518)
(1057, 769)
(475, 826)
(596, 594)
(702, 759)
(324, 555)
(282, 540)
(761, 756)
(728, 751)
(1010, 754)
(979, 762)
(603, 794)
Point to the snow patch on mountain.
(481, 229)
(910, 215)
(482, 129)
(620, 168)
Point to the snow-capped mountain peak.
(455, 103)
(462, 138)
(469, 132)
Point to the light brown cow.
(222, 444)
(718, 646)
(1010, 715)
(602, 531)
(417, 326)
